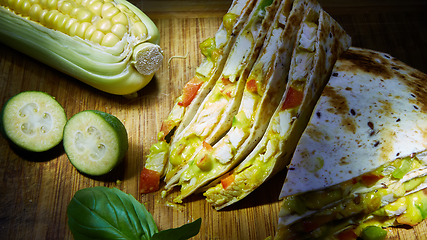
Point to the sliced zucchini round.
(95, 142)
(33, 121)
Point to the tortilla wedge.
(216, 50)
(263, 91)
(320, 40)
(216, 112)
(364, 149)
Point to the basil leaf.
(105, 213)
(182, 233)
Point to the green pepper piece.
(374, 233)
(295, 204)
(404, 168)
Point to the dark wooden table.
(35, 189)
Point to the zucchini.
(33, 121)
(95, 142)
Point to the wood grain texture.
(36, 188)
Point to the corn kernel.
(97, 36)
(68, 25)
(76, 11)
(51, 4)
(73, 29)
(125, 10)
(42, 13)
(16, 5)
(80, 31)
(67, 7)
(25, 8)
(110, 12)
(106, 6)
(62, 21)
(84, 15)
(110, 40)
(119, 30)
(87, 2)
(34, 2)
(95, 7)
(134, 18)
(43, 3)
(104, 25)
(139, 30)
(89, 32)
(120, 18)
(50, 18)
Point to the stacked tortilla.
(238, 121)
(361, 160)
(355, 149)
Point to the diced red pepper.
(207, 146)
(149, 181)
(227, 181)
(167, 126)
(190, 91)
(251, 85)
(347, 235)
(370, 179)
(293, 98)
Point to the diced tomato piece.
(347, 235)
(190, 91)
(167, 126)
(251, 85)
(225, 81)
(293, 99)
(207, 146)
(149, 181)
(370, 179)
(227, 181)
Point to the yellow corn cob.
(110, 45)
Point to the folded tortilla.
(320, 40)
(364, 148)
(263, 91)
(206, 76)
(408, 210)
(215, 115)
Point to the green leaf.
(184, 232)
(105, 213)
(403, 169)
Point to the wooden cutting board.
(36, 188)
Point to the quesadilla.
(320, 40)
(215, 50)
(263, 91)
(362, 157)
(216, 112)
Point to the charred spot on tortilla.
(335, 74)
(367, 62)
(337, 100)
